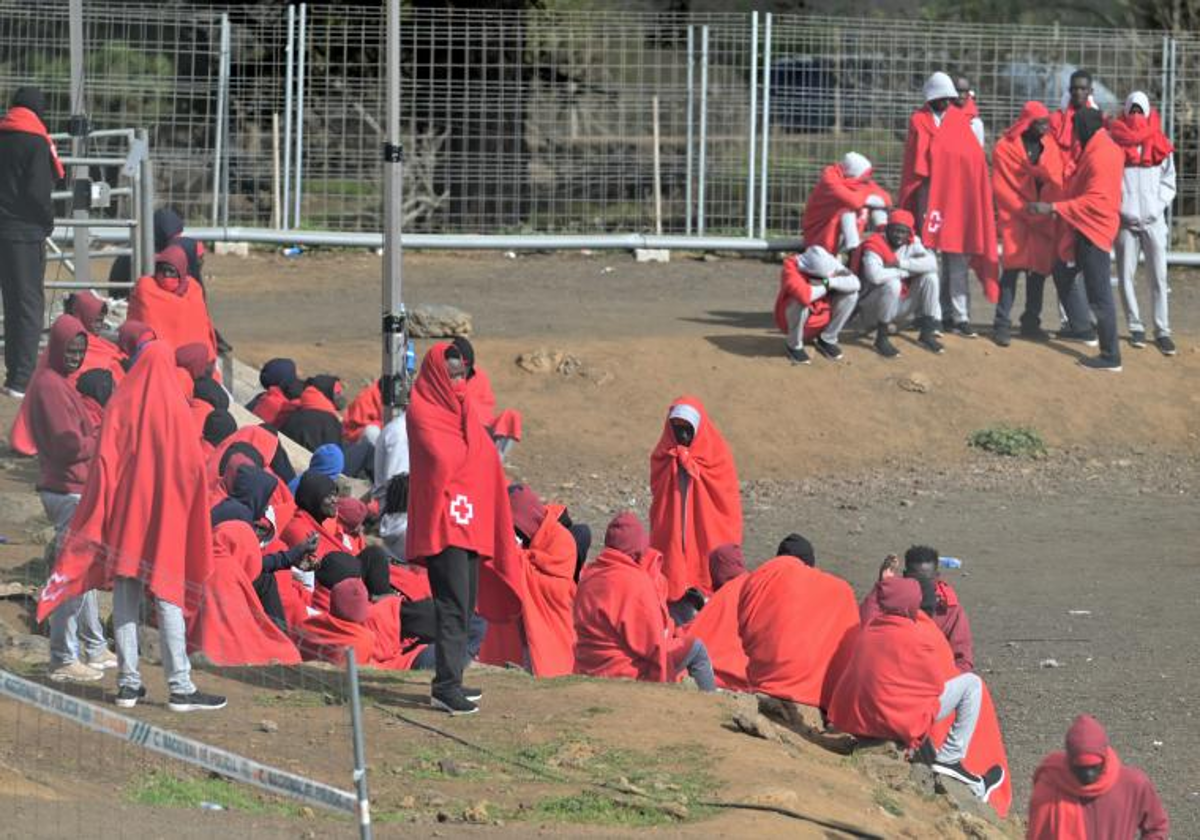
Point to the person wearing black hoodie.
(29, 168)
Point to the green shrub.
(1013, 441)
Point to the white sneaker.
(14, 393)
(75, 672)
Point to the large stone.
(805, 721)
(438, 321)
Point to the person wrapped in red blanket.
(717, 623)
(816, 299)
(944, 183)
(143, 523)
(172, 304)
(835, 213)
(542, 637)
(1086, 792)
(459, 522)
(1027, 166)
(939, 601)
(281, 392)
(696, 500)
(622, 628)
(900, 683)
(795, 623)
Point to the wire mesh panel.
(542, 121)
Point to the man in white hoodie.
(1147, 190)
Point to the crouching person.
(621, 624)
(816, 298)
(900, 280)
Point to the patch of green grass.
(160, 788)
(888, 803)
(595, 808)
(297, 699)
(1011, 441)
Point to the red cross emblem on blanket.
(461, 510)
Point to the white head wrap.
(939, 86)
(1137, 98)
(687, 413)
(855, 165)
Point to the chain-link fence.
(549, 121)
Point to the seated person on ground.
(717, 622)
(817, 295)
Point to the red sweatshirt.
(61, 424)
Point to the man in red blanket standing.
(1147, 191)
(945, 185)
(1086, 793)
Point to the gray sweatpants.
(172, 631)
(79, 617)
(1152, 241)
(956, 288)
(881, 304)
(963, 697)
(843, 296)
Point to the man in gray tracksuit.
(885, 275)
(1146, 193)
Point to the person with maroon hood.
(1086, 792)
(65, 434)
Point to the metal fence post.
(752, 124)
(703, 128)
(287, 116)
(302, 42)
(360, 753)
(146, 231)
(222, 108)
(79, 174)
(766, 129)
(691, 64)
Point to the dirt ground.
(1079, 569)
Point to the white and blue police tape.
(174, 745)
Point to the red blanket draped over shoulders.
(1092, 205)
(795, 624)
(687, 530)
(325, 637)
(505, 423)
(178, 320)
(833, 195)
(1028, 241)
(365, 410)
(230, 627)
(458, 491)
(390, 651)
(621, 622)
(144, 512)
(717, 627)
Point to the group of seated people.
(249, 562)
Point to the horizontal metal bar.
(62, 195)
(103, 132)
(72, 284)
(113, 223)
(94, 255)
(92, 161)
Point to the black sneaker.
(1101, 363)
(472, 694)
(1034, 334)
(128, 697)
(195, 702)
(828, 349)
(925, 754)
(884, 346)
(1085, 337)
(957, 771)
(1002, 336)
(455, 704)
(963, 329)
(1137, 339)
(1165, 345)
(798, 356)
(992, 779)
(929, 340)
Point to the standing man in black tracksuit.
(29, 168)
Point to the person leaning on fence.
(945, 185)
(1027, 164)
(1147, 191)
(143, 523)
(899, 279)
(29, 168)
(1091, 213)
(65, 436)
(816, 298)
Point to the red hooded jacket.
(62, 429)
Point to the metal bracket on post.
(393, 153)
(393, 387)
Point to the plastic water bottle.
(410, 358)
(293, 251)
(950, 563)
